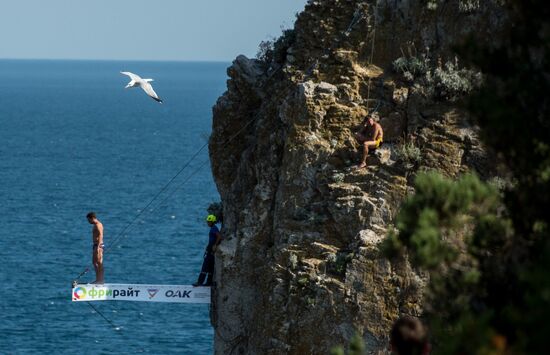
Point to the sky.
(182, 30)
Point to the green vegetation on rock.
(463, 5)
(356, 347)
(337, 263)
(276, 50)
(488, 253)
(409, 153)
(444, 81)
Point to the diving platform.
(140, 293)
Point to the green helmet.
(211, 218)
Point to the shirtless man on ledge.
(370, 136)
(97, 249)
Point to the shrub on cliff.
(412, 66)
(356, 347)
(275, 51)
(463, 5)
(408, 153)
(451, 82)
(444, 81)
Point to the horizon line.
(122, 60)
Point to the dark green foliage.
(265, 51)
(488, 252)
(440, 205)
(513, 108)
(443, 226)
(356, 347)
(338, 263)
(455, 230)
(276, 51)
(282, 44)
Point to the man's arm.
(100, 233)
(377, 132)
(374, 133)
(218, 240)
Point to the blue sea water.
(72, 140)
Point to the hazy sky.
(216, 30)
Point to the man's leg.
(94, 263)
(100, 275)
(203, 273)
(360, 139)
(210, 270)
(366, 146)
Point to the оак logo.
(152, 292)
(79, 293)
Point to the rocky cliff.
(300, 269)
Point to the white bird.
(136, 81)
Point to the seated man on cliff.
(370, 136)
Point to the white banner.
(143, 293)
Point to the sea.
(73, 140)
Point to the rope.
(370, 63)
(358, 15)
(124, 231)
(120, 234)
(194, 172)
(154, 209)
(115, 242)
(102, 316)
(113, 325)
(160, 204)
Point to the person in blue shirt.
(214, 238)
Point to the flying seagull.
(143, 83)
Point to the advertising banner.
(141, 293)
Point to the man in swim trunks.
(97, 249)
(370, 136)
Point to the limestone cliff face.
(300, 269)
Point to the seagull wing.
(132, 76)
(149, 91)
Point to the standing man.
(214, 238)
(97, 249)
(370, 136)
